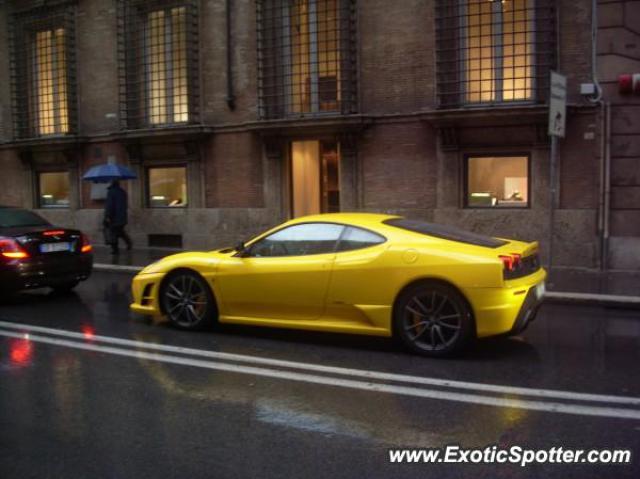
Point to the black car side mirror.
(241, 250)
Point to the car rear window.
(356, 238)
(446, 232)
(15, 217)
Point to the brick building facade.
(239, 114)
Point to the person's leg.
(115, 235)
(126, 238)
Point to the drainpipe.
(607, 187)
(230, 98)
(605, 182)
(605, 145)
(594, 52)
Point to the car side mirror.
(241, 250)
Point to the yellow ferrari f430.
(434, 287)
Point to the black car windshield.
(15, 218)
(446, 232)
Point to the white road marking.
(359, 373)
(545, 406)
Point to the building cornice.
(520, 115)
(513, 114)
(45, 143)
(168, 133)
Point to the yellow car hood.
(203, 261)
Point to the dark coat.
(115, 210)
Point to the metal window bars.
(494, 51)
(306, 57)
(43, 71)
(158, 55)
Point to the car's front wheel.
(187, 300)
(433, 319)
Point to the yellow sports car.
(434, 287)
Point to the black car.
(36, 254)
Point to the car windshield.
(15, 217)
(446, 232)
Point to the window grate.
(43, 71)
(158, 54)
(306, 57)
(494, 52)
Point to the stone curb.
(594, 299)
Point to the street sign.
(557, 104)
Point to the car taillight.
(10, 248)
(511, 261)
(53, 233)
(86, 244)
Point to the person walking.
(115, 216)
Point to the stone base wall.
(201, 229)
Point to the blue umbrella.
(109, 172)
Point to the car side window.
(356, 238)
(299, 240)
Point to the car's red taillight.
(53, 233)
(10, 248)
(86, 244)
(511, 261)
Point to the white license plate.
(540, 290)
(55, 247)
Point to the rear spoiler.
(531, 248)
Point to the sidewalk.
(126, 261)
(615, 288)
(567, 285)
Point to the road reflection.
(385, 419)
(20, 351)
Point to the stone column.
(449, 169)
(29, 199)
(349, 177)
(275, 189)
(136, 191)
(72, 165)
(195, 174)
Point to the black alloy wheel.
(433, 319)
(187, 301)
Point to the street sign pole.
(556, 129)
(552, 194)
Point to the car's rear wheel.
(187, 301)
(433, 319)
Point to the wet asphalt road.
(67, 412)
